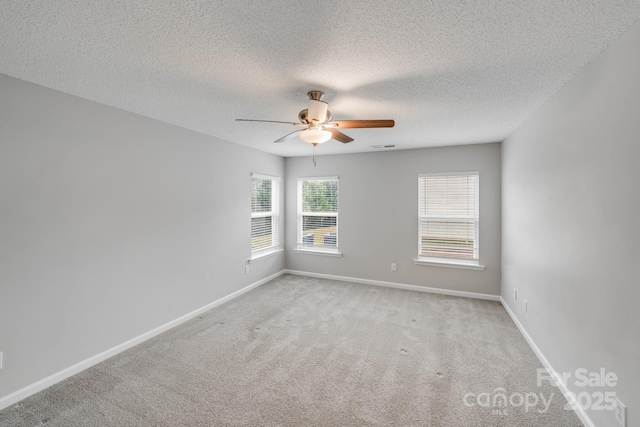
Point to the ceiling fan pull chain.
(314, 155)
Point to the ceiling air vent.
(378, 147)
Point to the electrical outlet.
(526, 306)
(394, 267)
(1, 352)
(515, 294)
(246, 269)
(621, 413)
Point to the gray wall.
(378, 221)
(111, 224)
(571, 204)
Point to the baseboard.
(397, 285)
(31, 389)
(562, 386)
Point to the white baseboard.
(561, 385)
(31, 389)
(397, 285)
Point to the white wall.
(111, 224)
(571, 204)
(378, 224)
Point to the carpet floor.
(301, 351)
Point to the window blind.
(448, 216)
(264, 213)
(318, 213)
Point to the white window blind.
(448, 216)
(318, 213)
(264, 213)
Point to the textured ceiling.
(448, 71)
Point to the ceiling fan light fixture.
(315, 136)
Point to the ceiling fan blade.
(339, 136)
(348, 124)
(269, 121)
(288, 136)
(317, 111)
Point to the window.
(448, 218)
(318, 214)
(264, 214)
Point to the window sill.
(318, 252)
(469, 265)
(261, 255)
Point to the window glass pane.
(320, 196)
(261, 195)
(261, 230)
(319, 231)
(447, 238)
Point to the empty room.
(353, 213)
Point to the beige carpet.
(300, 351)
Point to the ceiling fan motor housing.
(303, 116)
(317, 110)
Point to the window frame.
(274, 213)
(317, 250)
(473, 263)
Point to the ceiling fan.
(316, 124)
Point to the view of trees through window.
(319, 216)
